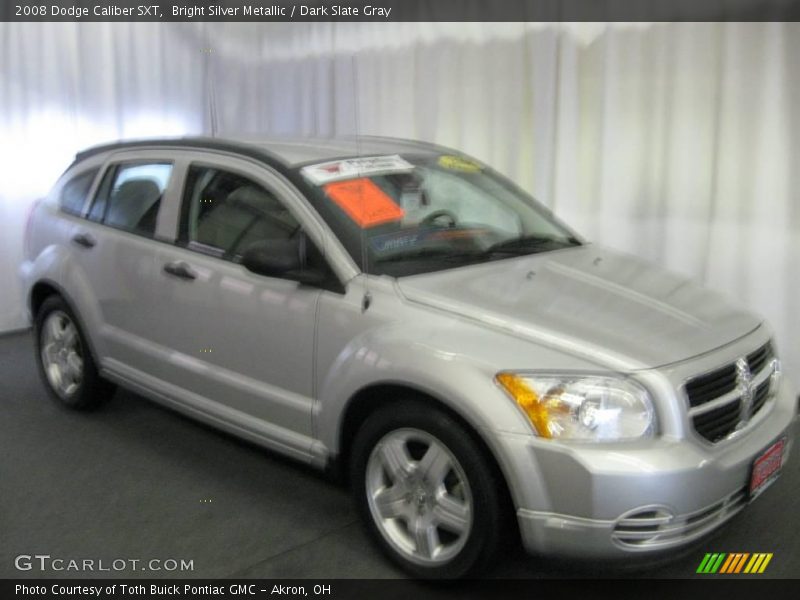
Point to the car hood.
(612, 308)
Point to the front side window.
(74, 192)
(405, 215)
(130, 196)
(224, 213)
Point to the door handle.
(180, 270)
(84, 239)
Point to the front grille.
(718, 423)
(715, 424)
(652, 528)
(707, 387)
(760, 357)
(762, 393)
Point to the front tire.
(65, 362)
(426, 491)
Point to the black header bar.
(399, 10)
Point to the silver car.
(400, 313)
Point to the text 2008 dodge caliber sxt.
(403, 314)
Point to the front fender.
(397, 342)
(402, 356)
(393, 355)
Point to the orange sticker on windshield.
(364, 202)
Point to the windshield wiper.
(422, 253)
(515, 246)
(527, 244)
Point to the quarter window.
(130, 195)
(223, 213)
(74, 192)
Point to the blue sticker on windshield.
(397, 241)
(391, 242)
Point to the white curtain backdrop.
(677, 142)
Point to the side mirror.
(273, 258)
(283, 259)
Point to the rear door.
(115, 248)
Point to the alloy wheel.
(419, 496)
(62, 354)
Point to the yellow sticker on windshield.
(458, 163)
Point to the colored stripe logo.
(734, 563)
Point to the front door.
(238, 346)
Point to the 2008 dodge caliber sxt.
(402, 312)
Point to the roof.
(288, 151)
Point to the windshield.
(405, 215)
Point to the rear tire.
(65, 361)
(426, 491)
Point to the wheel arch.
(40, 291)
(44, 289)
(378, 395)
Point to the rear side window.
(74, 192)
(130, 196)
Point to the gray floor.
(137, 481)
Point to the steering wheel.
(440, 214)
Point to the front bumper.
(603, 501)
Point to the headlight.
(589, 408)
